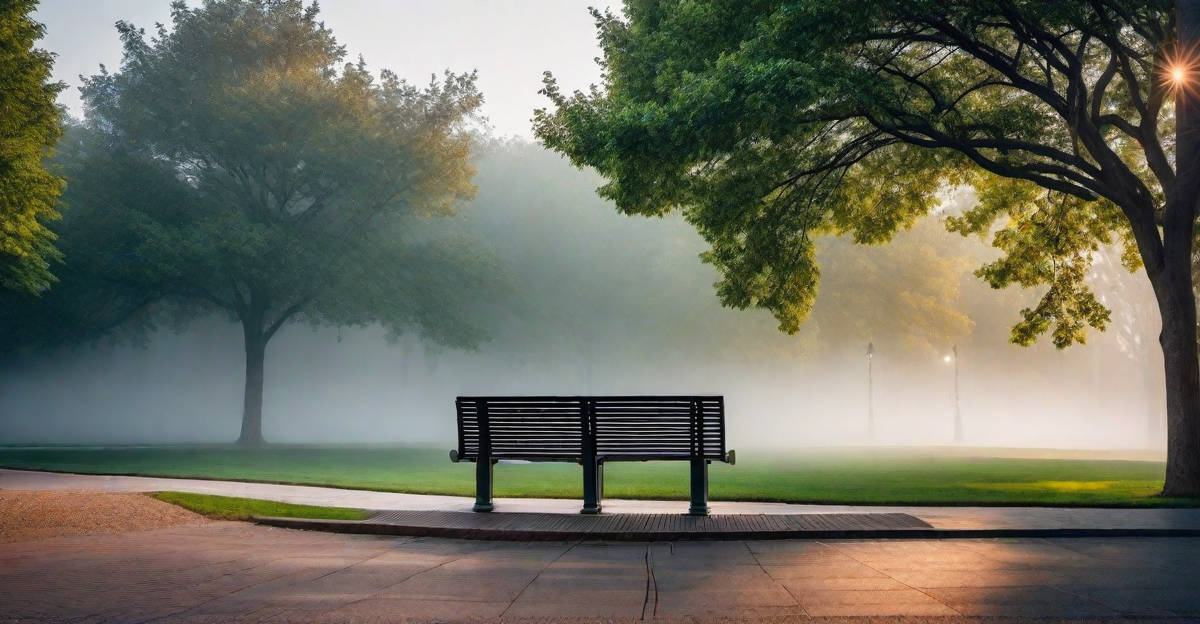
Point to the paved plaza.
(237, 572)
(210, 572)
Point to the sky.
(510, 42)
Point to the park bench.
(592, 430)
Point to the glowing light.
(1177, 71)
(946, 359)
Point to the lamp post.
(870, 393)
(958, 432)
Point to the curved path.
(237, 572)
(977, 518)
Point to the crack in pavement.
(651, 583)
(535, 577)
(772, 577)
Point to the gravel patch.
(27, 515)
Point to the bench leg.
(699, 506)
(483, 485)
(593, 485)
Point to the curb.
(367, 527)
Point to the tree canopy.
(770, 123)
(235, 164)
(30, 125)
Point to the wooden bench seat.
(592, 430)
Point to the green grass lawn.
(883, 477)
(231, 508)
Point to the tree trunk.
(1182, 366)
(1173, 282)
(256, 351)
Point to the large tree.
(29, 128)
(772, 122)
(235, 165)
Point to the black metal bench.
(592, 430)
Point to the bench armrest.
(731, 457)
(454, 455)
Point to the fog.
(601, 303)
(510, 43)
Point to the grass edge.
(219, 507)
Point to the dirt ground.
(35, 515)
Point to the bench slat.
(631, 428)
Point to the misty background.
(600, 303)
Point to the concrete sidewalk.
(1016, 518)
(232, 572)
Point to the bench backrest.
(620, 427)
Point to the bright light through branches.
(1178, 72)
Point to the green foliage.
(1050, 240)
(233, 508)
(819, 476)
(30, 125)
(236, 164)
(771, 124)
(592, 282)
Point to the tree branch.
(934, 139)
(285, 316)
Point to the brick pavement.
(236, 572)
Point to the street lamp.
(870, 393)
(958, 432)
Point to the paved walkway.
(241, 573)
(236, 572)
(939, 517)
